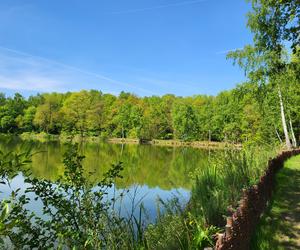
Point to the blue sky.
(148, 47)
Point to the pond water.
(150, 172)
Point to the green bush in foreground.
(76, 214)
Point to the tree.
(11, 109)
(2, 99)
(96, 114)
(75, 110)
(47, 115)
(272, 23)
(7, 123)
(126, 115)
(25, 122)
(157, 119)
(185, 121)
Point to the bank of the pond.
(280, 226)
(156, 142)
(175, 143)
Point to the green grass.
(219, 184)
(280, 226)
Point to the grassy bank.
(280, 226)
(44, 137)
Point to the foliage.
(248, 114)
(179, 229)
(274, 22)
(218, 186)
(185, 122)
(275, 26)
(76, 214)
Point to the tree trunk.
(283, 120)
(122, 131)
(279, 138)
(293, 134)
(122, 148)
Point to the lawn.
(280, 225)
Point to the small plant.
(5, 226)
(11, 163)
(203, 236)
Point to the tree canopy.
(239, 115)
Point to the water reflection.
(156, 171)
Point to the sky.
(146, 47)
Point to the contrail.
(76, 69)
(227, 51)
(159, 7)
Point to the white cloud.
(23, 71)
(31, 83)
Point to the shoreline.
(43, 137)
(174, 143)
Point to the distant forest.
(248, 113)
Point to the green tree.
(157, 122)
(96, 113)
(273, 23)
(47, 116)
(75, 110)
(25, 122)
(185, 121)
(11, 109)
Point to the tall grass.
(177, 229)
(218, 185)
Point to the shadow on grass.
(280, 226)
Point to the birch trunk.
(294, 141)
(279, 138)
(283, 120)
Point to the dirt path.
(280, 226)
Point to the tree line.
(247, 113)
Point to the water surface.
(149, 171)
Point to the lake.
(150, 172)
